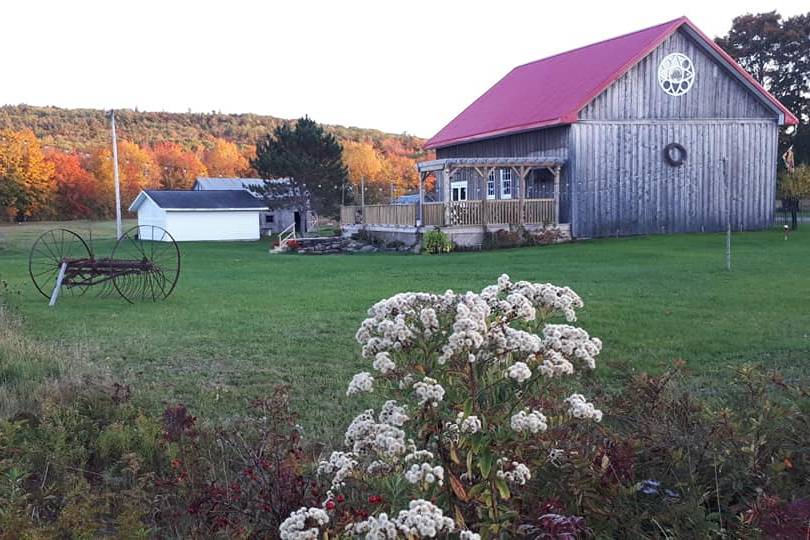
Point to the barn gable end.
(716, 92)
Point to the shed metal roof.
(215, 200)
(553, 90)
(204, 183)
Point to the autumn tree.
(26, 177)
(310, 158)
(137, 170)
(794, 186)
(178, 167)
(365, 168)
(776, 52)
(76, 191)
(223, 158)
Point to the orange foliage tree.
(26, 177)
(178, 167)
(137, 170)
(76, 195)
(365, 166)
(224, 159)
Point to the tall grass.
(31, 371)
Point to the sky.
(390, 65)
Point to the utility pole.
(118, 231)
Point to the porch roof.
(500, 162)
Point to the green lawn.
(242, 320)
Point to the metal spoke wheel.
(48, 253)
(145, 264)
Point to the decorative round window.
(676, 73)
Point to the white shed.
(201, 215)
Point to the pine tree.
(310, 158)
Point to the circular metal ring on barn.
(675, 154)
(144, 265)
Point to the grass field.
(241, 320)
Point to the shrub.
(436, 241)
(466, 383)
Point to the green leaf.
(485, 463)
(503, 488)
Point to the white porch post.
(446, 194)
(420, 214)
(557, 195)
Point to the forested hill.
(87, 129)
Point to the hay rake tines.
(144, 265)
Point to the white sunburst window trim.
(506, 184)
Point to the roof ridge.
(680, 20)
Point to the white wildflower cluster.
(423, 520)
(383, 363)
(417, 454)
(429, 319)
(303, 524)
(519, 371)
(361, 382)
(409, 339)
(396, 322)
(425, 473)
(341, 465)
(469, 327)
(428, 391)
(366, 436)
(578, 407)
(543, 296)
(533, 422)
(451, 432)
(393, 414)
(374, 528)
(513, 472)
(471, 424)
(571, 341)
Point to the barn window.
(506, 183)
(676, 73)
(269, 218)
(491, 185)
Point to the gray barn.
(657, 131)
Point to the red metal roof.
(553, 90)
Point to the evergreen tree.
(310, 158)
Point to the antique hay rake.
(144, 265)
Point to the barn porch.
(466, 205)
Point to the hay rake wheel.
(144, 265)
(155, 264)
(47, 254)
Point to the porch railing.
(456, 213)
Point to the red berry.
(330, 504)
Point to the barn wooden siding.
(714, 94)
(546, 142)
(624, 186)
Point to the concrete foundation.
(464, 236)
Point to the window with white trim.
(506, 183)
(491, 185)
(458, 191)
